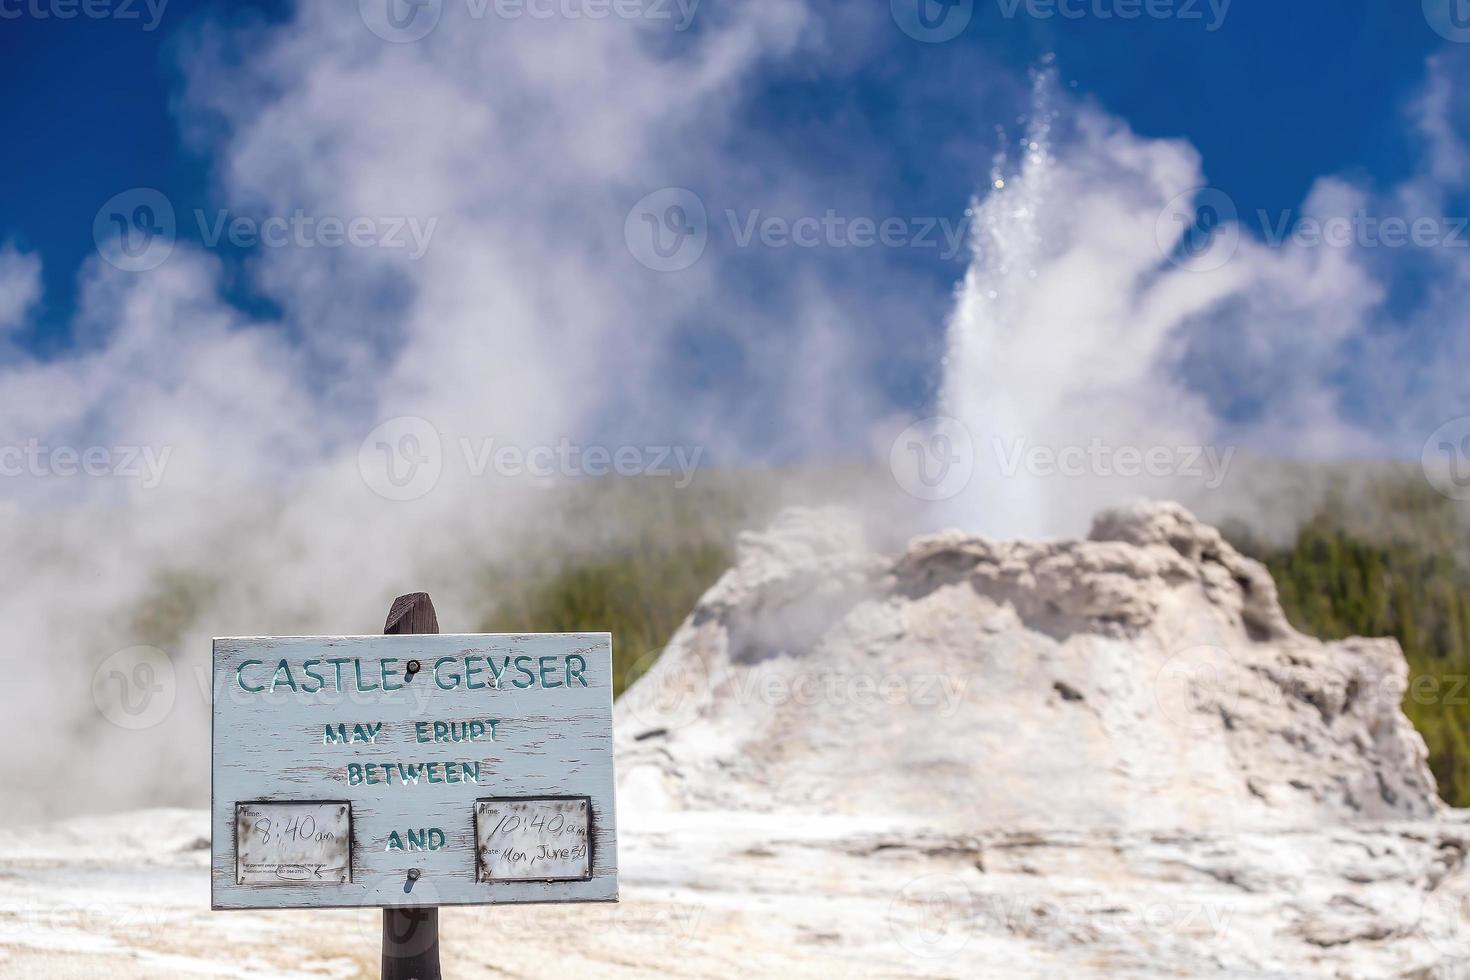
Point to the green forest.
(1389, 563)
(1401, 573)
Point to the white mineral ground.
(1101, 758)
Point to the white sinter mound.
(1143, 678)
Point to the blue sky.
(1279, 95)
(529, 144)
(584, 281)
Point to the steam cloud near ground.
(528, 321)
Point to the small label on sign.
(293, 843)
(534, 839)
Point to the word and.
(423, 839)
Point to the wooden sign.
(413, 770)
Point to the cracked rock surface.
(1095, 758)
(1109, 757)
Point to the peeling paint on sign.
(423, 738)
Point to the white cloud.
(1073, 328)
(20, 286)
(527, 322)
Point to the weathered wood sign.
(413, 770)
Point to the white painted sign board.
(413, 770)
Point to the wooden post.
(411, 935)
